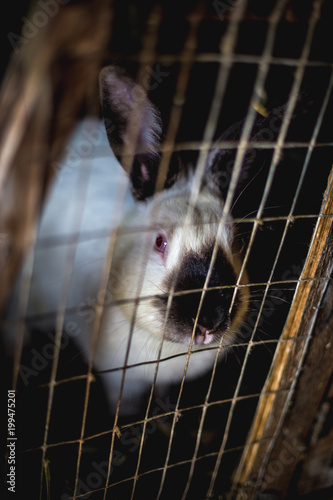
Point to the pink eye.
(161, 243)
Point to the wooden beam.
(316, 470)
(283, 418)
(50, 82)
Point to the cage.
(248, 82)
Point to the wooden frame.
(300, 374)
(51, 79)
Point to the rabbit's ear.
(220, 163)
(256, 161)
(134, 129)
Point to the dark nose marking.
(214, 312)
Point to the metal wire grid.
(226, 60)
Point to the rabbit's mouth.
(182, 333)
(203, 336)
(214, 313)
(213, 321)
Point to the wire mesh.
(206, 65)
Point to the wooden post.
(277, 439)
(51, 80)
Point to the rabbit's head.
(172, 244)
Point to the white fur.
(93, 197)
(143, 271)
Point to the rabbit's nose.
(202, 334)
(202, 329)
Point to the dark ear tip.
(111, 70)
(110, 77)
(104, 73)
(119, 92)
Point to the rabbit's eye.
(161, 243)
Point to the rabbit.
(163, 243)
(166, 243)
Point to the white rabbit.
(162, 243)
